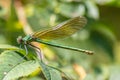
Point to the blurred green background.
(101, 34)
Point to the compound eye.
(19, 40)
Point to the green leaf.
(71, 10)
(55, 75)
(6, 46)
(10, 47)
(45, 70)
(13, 66)
(2, 37)
(49, 72)
(104, 37)
(114, 72)
(92, 8)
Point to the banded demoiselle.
(62, 30)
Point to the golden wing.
(62, 30)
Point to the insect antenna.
(26, 50)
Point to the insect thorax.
(27, 38)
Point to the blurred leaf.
(55, 75)
(45, 70)
(6, 46)
(2, 39)
(40, 19)
(71, 10)
(92, 9)
(117, 52)
(9, 47)
(115, 72)
(115, 3)
(103, 2)
(50, 73)
(103, 37)
(13, 66)
(89, 77)
(2, 11)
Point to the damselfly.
(62, 30)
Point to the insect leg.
(26, 50)
(38, 51)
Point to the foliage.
(101, 35)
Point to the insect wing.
(62, 30)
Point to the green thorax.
(27, 38)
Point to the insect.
(62, 30)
